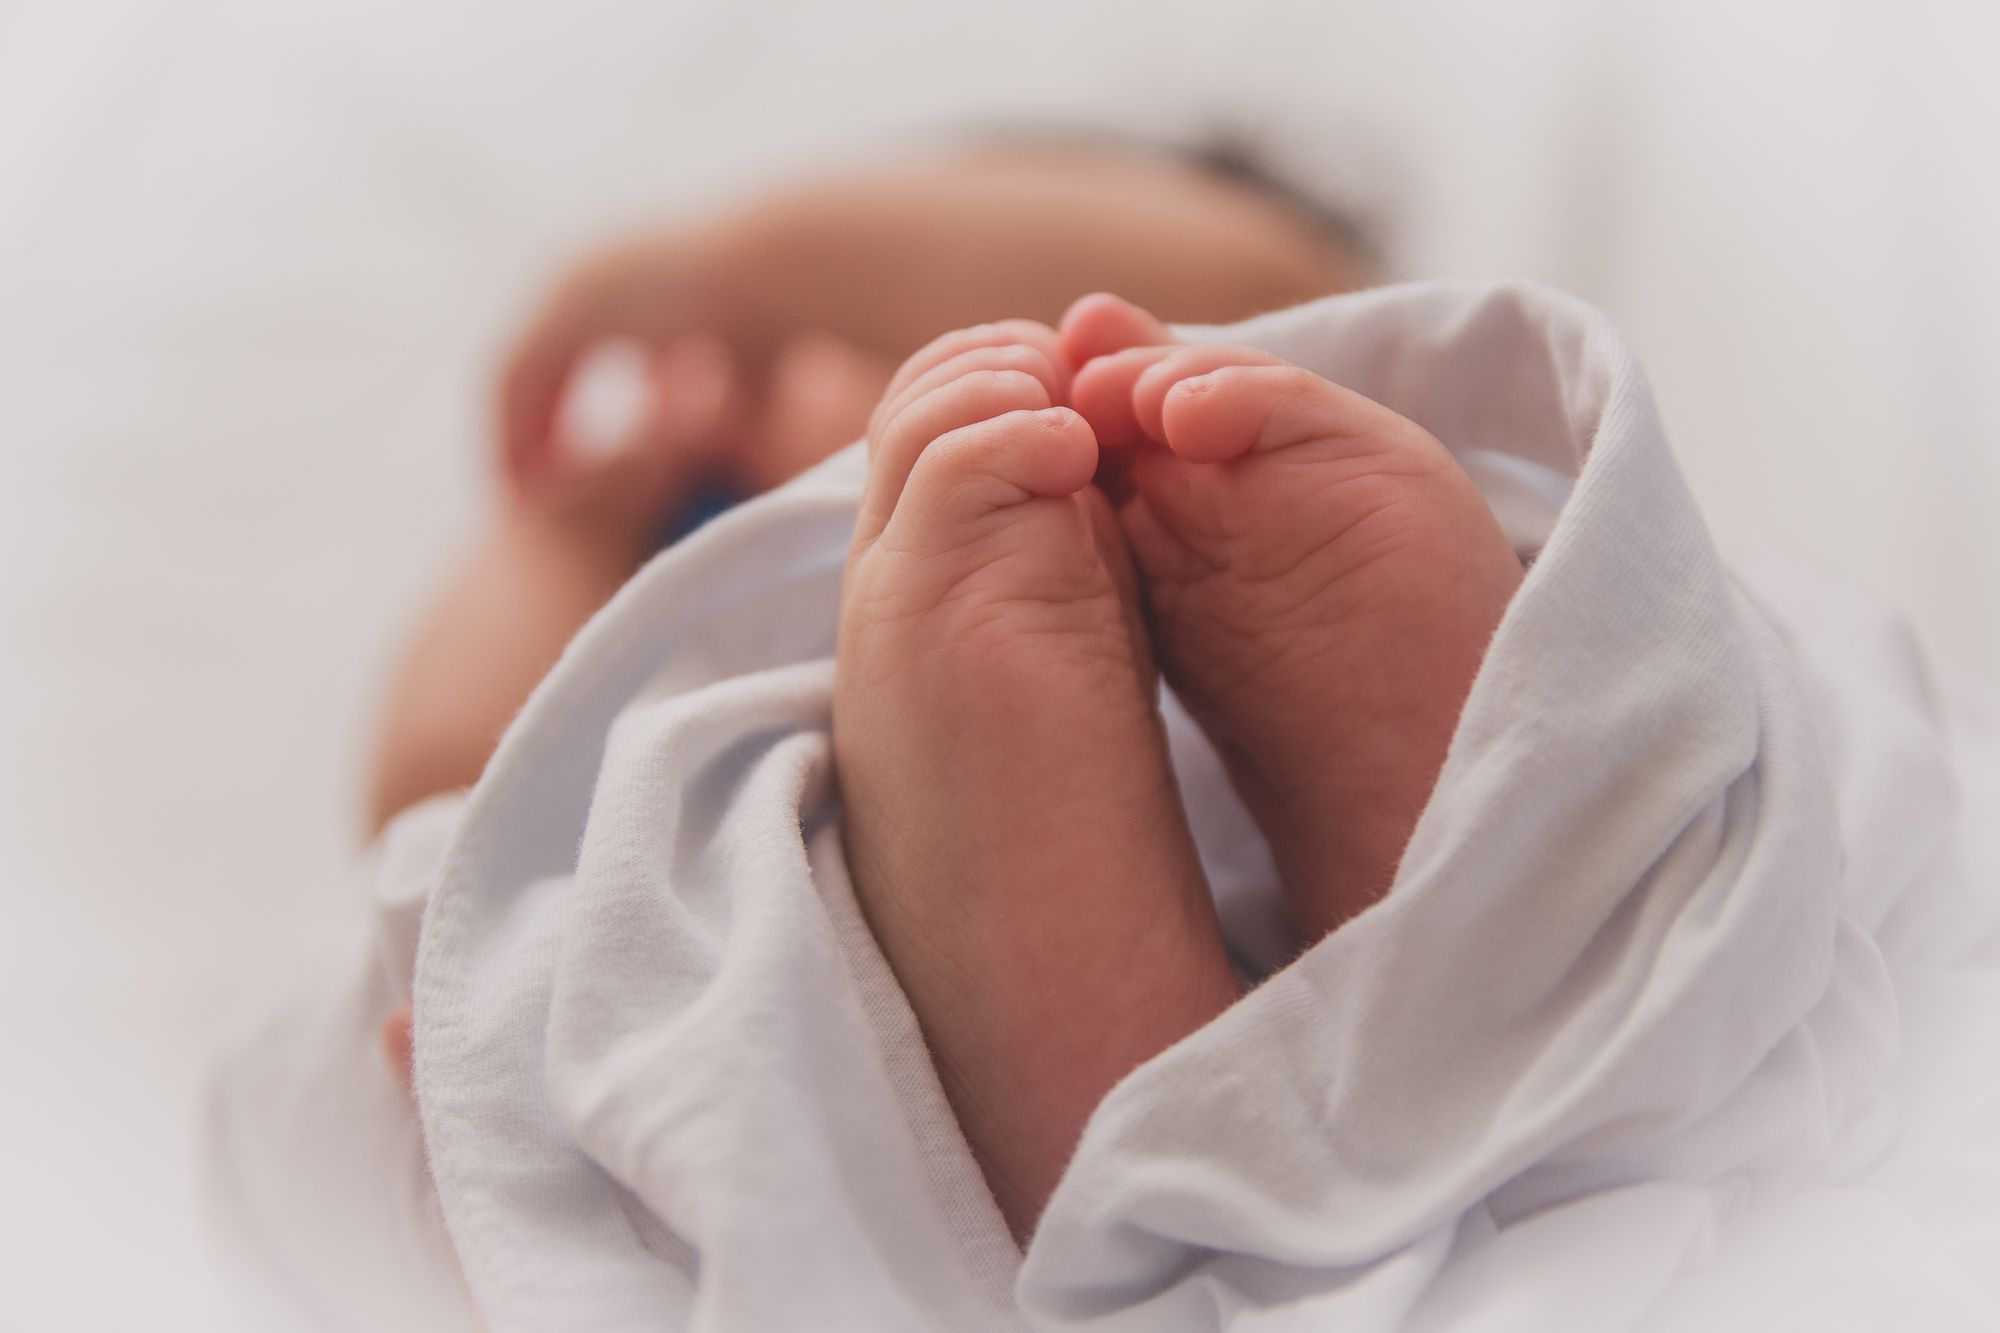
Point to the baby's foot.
(1011, 819)
(1323, 579)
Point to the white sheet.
(254, 259)
(1621, 1049)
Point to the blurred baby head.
(814, 291)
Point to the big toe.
(1214, 404)
(969, 474)
(1100, 324)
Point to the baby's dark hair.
(1235, 157)
(1225, 153)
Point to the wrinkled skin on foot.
(1011, 819)
(1322, 580)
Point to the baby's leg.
(494, 632)
(1011, 818)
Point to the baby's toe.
(1212, 404)
(1123, 394)
(994, 383)
(929, 365)
(970, 473)
(1100, 324)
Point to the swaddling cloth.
(1621, 1048)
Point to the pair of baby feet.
(1052, 520)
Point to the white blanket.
(1680, 1012)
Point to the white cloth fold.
(1624, 1047)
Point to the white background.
(256, 258)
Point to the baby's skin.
(1315, 574)
(1322, 580)
(1011, 819)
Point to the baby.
(1057, 515)
(841, 867)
